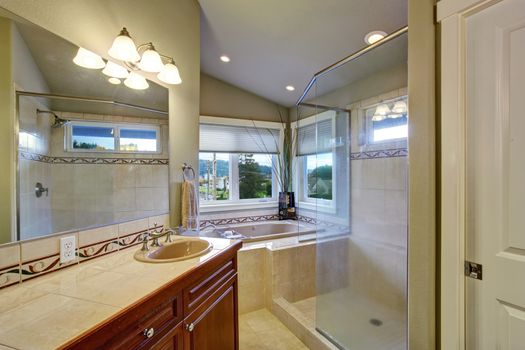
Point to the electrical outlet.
(67, 249)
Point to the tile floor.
(261, 330)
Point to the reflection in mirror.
(90, 153)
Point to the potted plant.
(283, 170)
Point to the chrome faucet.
(208, 225)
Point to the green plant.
(283, 167)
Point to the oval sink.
(180, 249)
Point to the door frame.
(452, 15)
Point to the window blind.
(238, 139)
(315, 138)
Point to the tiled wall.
(29, 259)
(86, 189)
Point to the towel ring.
(186, 174)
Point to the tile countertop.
(46, 312)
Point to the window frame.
(234, 203)
(68, 147)
(369, 126)
(301, 176)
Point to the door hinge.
(473, 270)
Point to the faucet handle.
(145, 238)
(169, 232)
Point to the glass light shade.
(115, 71)
(151, 61)
(136, 82)
(114, 81)
(400, 107)
(382, 109)
(124, 48)
(170, 74)
(378, 118)
(88, 59)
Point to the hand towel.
(190, 205)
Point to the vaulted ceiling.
(275, 43)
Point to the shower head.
(58, 122)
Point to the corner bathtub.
(262, 230)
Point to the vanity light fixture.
(374, 36)
(381, 113)
(400, 107)
(144, 57)
(170, 73)
(115, 71)
(225, 59)
(124, 48)
(114, 81)
(88, 59)
(290, 88)
(136, 82)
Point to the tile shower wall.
(87, 189)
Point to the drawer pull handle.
(190, 327)
(149, 332)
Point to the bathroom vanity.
(197, 310)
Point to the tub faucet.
(208, 225)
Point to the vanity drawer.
(197, 292)
(136, 327)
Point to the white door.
(495, 175)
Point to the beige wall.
(6, 131)
(173, 25)
(422, 183)
(220, 99)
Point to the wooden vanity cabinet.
(196, 311)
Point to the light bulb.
(124, 48)
(88, 59)
(400, 107)
(378, 118)
(382, 110)
(170, 74)
(136, 82)
(115, 71)
(114, 81)
(151, 61)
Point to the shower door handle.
(39, 190)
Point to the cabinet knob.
(190, 327)
(149, 332)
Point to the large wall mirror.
(92, 151)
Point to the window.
(236, 161)
(253, 171)
(318, 175)
(387, 121)
(315, 158)
(112, 138)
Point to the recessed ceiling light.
(225, 59)
(114, 81)
(374, 36)
(290, 88)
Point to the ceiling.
(275, 43)
(53, 55)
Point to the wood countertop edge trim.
(224, 254)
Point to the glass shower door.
(360, 114)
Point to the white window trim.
(242, 204)
(322, 205)
(68, 147)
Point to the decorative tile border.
(9, 275)
(385, 153)
(91, 160)
(239, 220)
(15, 274)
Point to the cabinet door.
(171, 341)
(213, 325)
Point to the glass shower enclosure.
(351, 126)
